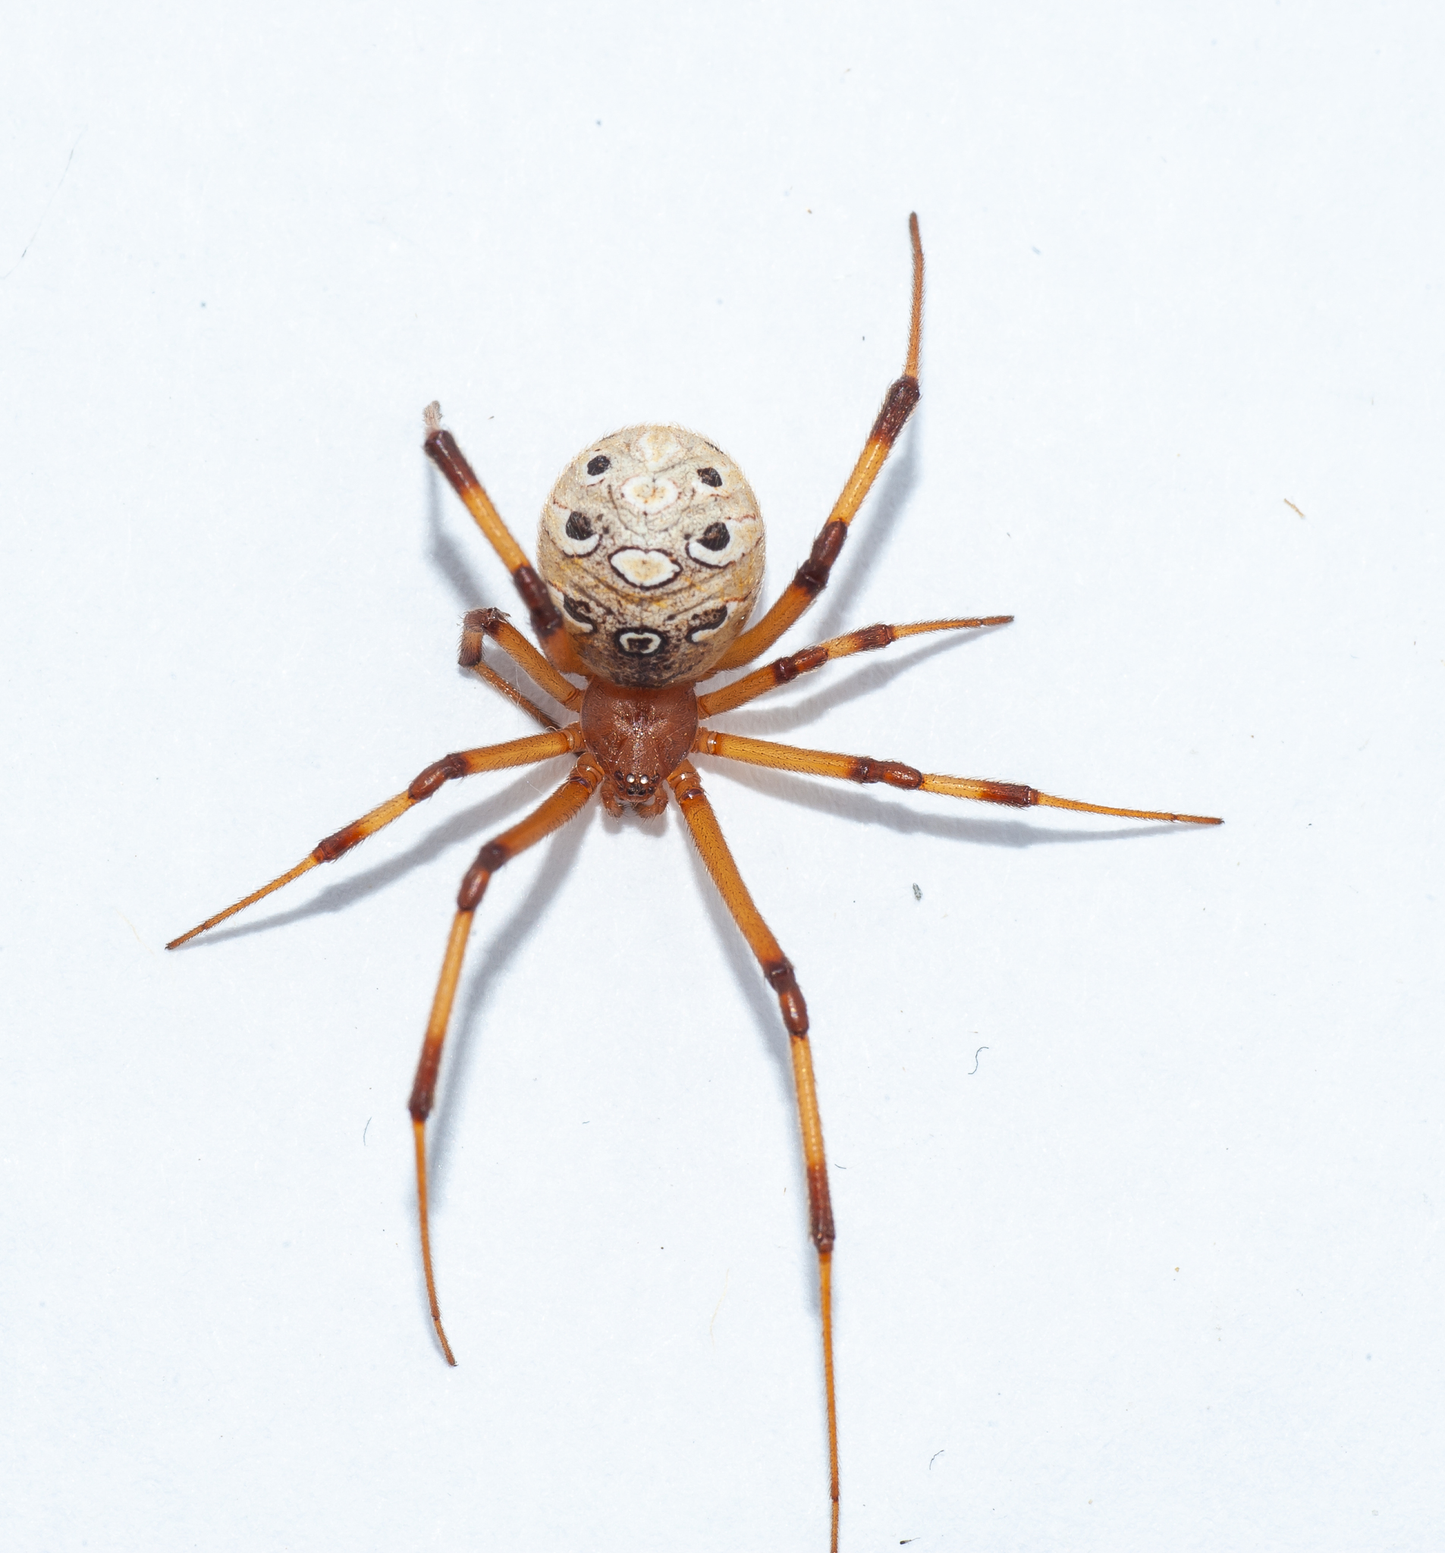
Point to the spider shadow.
(444, 553)
(760, 721)
(460, 827)
(522, 919)
(449, 558)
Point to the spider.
(649, 562)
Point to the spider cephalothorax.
(640, 735)
(651, 545)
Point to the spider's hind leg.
(778, 972)
(565, 803)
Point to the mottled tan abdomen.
(651, 543)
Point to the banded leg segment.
(782, 671)
(553, 812)
(812, 576)
(441, 447)
(861, 768)
(492, 757)
(718, 860)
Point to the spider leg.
(782, 670)
(489, 676)
(493, 757)
(860, 768)
(567, 801)
(812, 576)
(718, 860)
(478, 624)
(441, 447)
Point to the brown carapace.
(651, 549)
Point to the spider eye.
(714, 537)
(579, 526)
(710, 477)
(598, 466)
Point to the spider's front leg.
(702, 822)
(441, 447)
(568, 801)
(812, 576)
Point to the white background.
(1135, 1133)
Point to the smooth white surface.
(1157, 1268)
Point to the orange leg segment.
(782, 671)
(861, 768)
(493, 757)
(441, 447)
(489, 676)
(479, 623)
(555, 811)
(812, 576)
(718, 860)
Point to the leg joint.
(477, 623)
(332, 847)
(893, 772)
(897, 407)
(546, 617)
(812, 575)
(807, 659)
(441, 448)
(493, 855)
(425, 783)
(687, 785)
(479, 875)
(779, 976)
(820, 1207)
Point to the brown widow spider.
(650, 559)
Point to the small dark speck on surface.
(917, 893)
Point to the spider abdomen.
(651, 545)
